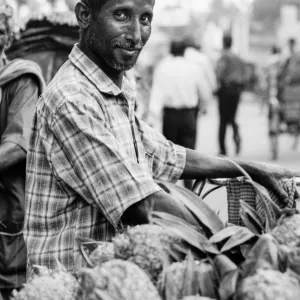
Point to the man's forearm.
(201, 166)
(10, 155)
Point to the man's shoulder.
(68, 85)
(21, 71)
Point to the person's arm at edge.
(10, 154)
(201, 166)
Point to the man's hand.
(200, 166)
(140, 213)
(269, 176)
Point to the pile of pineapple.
(170, 259)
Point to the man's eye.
(146, 19)
(120, 15)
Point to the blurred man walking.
(179, 92)
(231, 78)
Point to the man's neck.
(115, 75)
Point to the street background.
(253, 121)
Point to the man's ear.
(83, 15)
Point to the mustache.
(128, 45)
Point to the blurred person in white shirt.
(180, 93)
(194, 54)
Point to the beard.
(118, 66)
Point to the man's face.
(119, 31)
(4, 37)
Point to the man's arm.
(14, 141)
(200, 166)
(10, 155)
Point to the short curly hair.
(94, 5)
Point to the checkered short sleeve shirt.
(89, 159)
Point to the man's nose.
(134, 32)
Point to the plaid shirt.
(89, 159)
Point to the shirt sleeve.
(24, 93)
(89, 159)
(168, 158)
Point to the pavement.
(253, 121)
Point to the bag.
(234, 75)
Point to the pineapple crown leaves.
(205, 216)
(223, 265)
(184, 231)
(207, 279)
(251, 218)
(179, 280)
(243, 235)
(266, 202)
(228, 285)
(228, 275)
(231, 237)
(264, 254)
(87, 246)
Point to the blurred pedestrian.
(179, 93)
(195, 54)
(231, 79)
(21, 83)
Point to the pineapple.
(103, 253)
(116, 280)
(148, 246)
(268, 284)
(287, 231)
(187, 278)
(50, 285)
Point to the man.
(179, 92)
(21, 83)
(195, 54)
(92, 163)
(231, 78)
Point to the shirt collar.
(97, 76)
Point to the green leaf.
(240, 237)
(264, 254)
(223, 265)
(207, 280)
(190, 284)
(251, 219)
(173, 219)
(252, 214)
(263, 195)
(187, 234)
(228, 285)
(224, 234)
(204, 214)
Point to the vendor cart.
(46, 40)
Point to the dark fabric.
(16, 113)
(228, 104)
(12, 256)
(18, 101)
(232, 72)
(180, 126)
